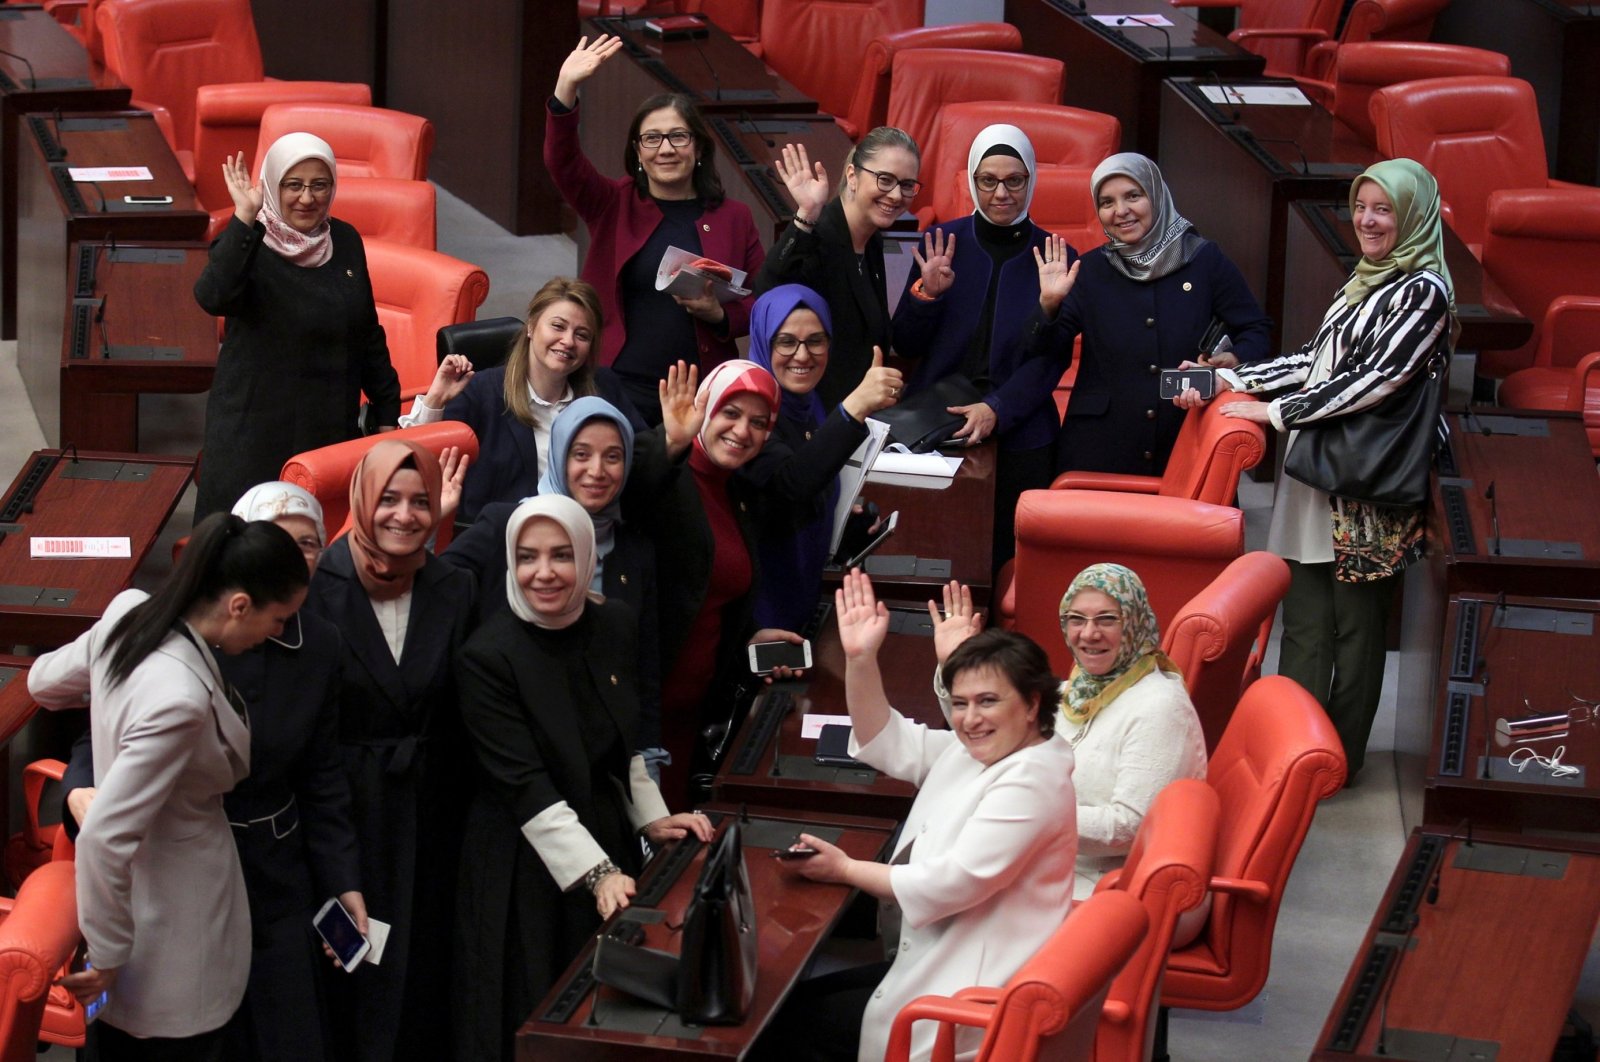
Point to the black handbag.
(922, 422)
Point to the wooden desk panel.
(794, 916)
(49, 601)
(716, 71)
(749, 144)
(16, 706)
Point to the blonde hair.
(559, 289)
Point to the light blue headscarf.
(554, 481)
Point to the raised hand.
(959, 622)
(449, 380)
(807, 181)
(247, 197)
(682, 412)
(879, 389)
(863, 619)
(453, 461)
(936, 262)
(581, 65)
(1055, 277)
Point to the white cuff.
(566, 848)
(647, 805)
(421, 413)
(1275, 414)
(1228, 376)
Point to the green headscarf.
(1420, 234)
(1138, 655)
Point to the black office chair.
(486, 342)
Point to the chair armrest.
(163, 119)
(1117, 481)
(1554, 183)
(979, 994)
(34, 777)
(1115, 1011)
(1277, 33)
(1259, 891)
(1319, 92)
(1320, 60)
(67, 12)
(241, 102)
(932, 1008)
(1206, 3)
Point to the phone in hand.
(794, 854)
(338, 930)
(1175, 382)
(80, 962)
(767, 657)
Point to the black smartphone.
(833, 747)
(1175, 382)
(788, 854)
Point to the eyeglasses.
(787, 345)
(319, 189)
(988, 182)
(1106, 621)
(309, 545)
(888, 181)
(678, 138)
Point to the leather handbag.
(922, 421)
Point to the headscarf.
(288, 151)
(1138, 655)
(1002, 140)
(1171, 242)
(767, 316)
(1419, 242)
(567, 424)
(270, 501)
(733, 377)
(384, 575)
(580, 529)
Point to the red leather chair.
(78, 16)
(1051, 1007)
(1168, 870)
(819, 45)
(740, 19)
(1061, 204)
(366, 141)
(38, 935)
(1561, 378)
(1062, 137)
(325, 472)
(1221, 635)
(418, 292)
(1281, 31)
(380, 208)
(1359, 70)
(1578, 393)
(1377, 20)
(870, 105)
(1279, 757)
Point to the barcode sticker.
(109, 173)
(79, 547)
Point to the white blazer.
(160, 893)
(989, 876)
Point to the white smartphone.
(765, 657)
(339, 931)
(147, 200)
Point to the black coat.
(301, 346)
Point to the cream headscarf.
(1171, 242)
(306, 249)
(580, 530)
(1419, 242)
(271, 501)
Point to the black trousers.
(107, 1043)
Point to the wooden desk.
(62, 78)
(49, 601)
(794, 916)
(748, 145)
(1495, 959)
(1119, 70)
(716, 71)
(139, 299)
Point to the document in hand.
(684, 274)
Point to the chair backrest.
(1278, 758)
(1539, 245)
(818, 44)
(1361, 69)
(869, 106)
(1177, 547)
(1474, 134)
(1391, 20)
(1061, 205)
(37, 938)
(88, 30)
(486, 342)
(1211, 452)
(387, 208)
(1285, 56)
(740, 19)
(418, 292)
(366, 141)
(1168, 870)
(325, 472)
(1218, 638)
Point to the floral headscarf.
(1138, 655)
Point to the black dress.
(301, 346)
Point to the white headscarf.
(580, 529)
(983, 145)
(270, 501)
(288, 151)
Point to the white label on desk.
(1270, 95)
(109, 173)
(69, 548)
(1132, 20)
(811, 725)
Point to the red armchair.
(37, 937)
(1377, 20)
(819, 45)
(1051, 1007)
(419, 292)
(1561, 378)
(1281, 31)
(36, 844)
(384, 208)
(1359, 70)
(1062, 205)
(366, 141)
(869, 106)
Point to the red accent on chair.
(418, 292)
(1051, 1007)
(1377, 20)
(818, 44)
(383, 208)
(1281, 31)
(1559, 378)
(870, 105)
(739, 19)
(78, 16)
(366, 141)
(1279, 757)
(1359, 70)
(27, 851)
(37, 938)
(1167, 870)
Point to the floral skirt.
(1372, 542)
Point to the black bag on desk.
(921, 422)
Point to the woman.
(983, 875)
(1394, 321)
(403, 615)
(511, 407)
(1143, 303)
(671, 196)
(549, 698)
(161, 900)
(302, 341)
(790, 337)
(290, 816)
(967, 302)
(834, 245)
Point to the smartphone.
(80, 962)
(766, 657)
(147, 200)
(1176, 381)
(833, 748)
(339, 931)
(883, 536)
(676, 27)
(788, 854)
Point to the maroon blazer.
(620, 222)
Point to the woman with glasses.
(834, 245)
(670, 196)
(302, 339)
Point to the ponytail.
(224, 554)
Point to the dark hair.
(707, 185)
(1016, 657)
(225, 553)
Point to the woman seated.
(834, 245)
(549, 698)
(983, 875)
(1142, 303)
(511, 407)
(671, 196)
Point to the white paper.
(68, 548)
(1269, 95)
(675, 277)
(1132, 20)
(896, 459)
(811, 725)
(109, 173)
(853, 474)
(377, 937)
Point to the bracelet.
(802, 221)
(598, 873)
(921, 294)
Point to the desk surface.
(16, 706)
(46, 602)
(121, 138)
(719, 73)
(794, 916)
(1496, 958)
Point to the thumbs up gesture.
(879, 389)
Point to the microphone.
(1305, 164)
(716, 82)
(745, 117)
(1382, 1046)
(100, 322)
(1438, 868)
(33, 82)
(1123, 20)
(1494, 519)
(1238, 115)
(1487, 772)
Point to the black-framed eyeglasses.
(319, 189)
(888, 181)
(678, 138)
(817, 344)
(988, 182)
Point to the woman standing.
(161, 899)
(549, 698)
(302, 339)
(1391, 326)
